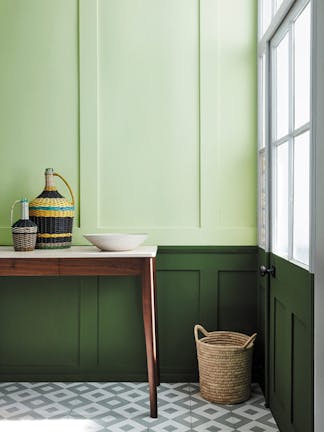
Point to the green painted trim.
(165, 237)
(78, 239)
(62, 377)
(207, 249)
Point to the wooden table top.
(78, 252)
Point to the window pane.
(302, 68)
(301, 199)
(282, 87)
(263, 102)
(262, 109)
(266, 15)
(281, 200)
(262, 200)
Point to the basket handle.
(12, 210)
(67, 185)
(200, 328)
(250, 340)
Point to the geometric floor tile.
(124, 407)
(257, 427)
(250, 411)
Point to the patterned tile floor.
(124, 407)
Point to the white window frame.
(294, 7)
(263, 219)
(277, 16)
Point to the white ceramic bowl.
(116, 241)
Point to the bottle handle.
(12, 210)
(67, 185)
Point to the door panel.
(299, 380)
(280, 353)
(291, 353)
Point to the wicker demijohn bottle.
(24, 231)
(53, 215)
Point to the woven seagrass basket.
(53, 215)
(225, 364)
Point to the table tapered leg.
(148, 299)
(155, 311)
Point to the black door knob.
(263, 270)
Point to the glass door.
(284, 161)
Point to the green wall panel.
(40, 323)
(149, 111)
(39, 103)
(179, 310)
(91, 328)
(89, 306)
(233, 287)
(121, 346)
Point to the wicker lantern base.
(24, 238)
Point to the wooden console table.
(89, 261)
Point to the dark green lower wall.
(91, 328)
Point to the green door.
(291, 346)
(286, 281)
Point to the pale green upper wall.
(38, 98)
(147, 107)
